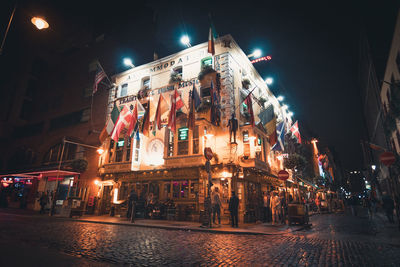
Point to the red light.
(266, 58)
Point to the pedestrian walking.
(283, 207)
(234, 209)
(43, 200)
(216, 205)
(132, 199)
(388, 206)
(266, 206)
(353, 205)
(318, 204)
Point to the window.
(178, 71)
(136, 150)
(170, 149)
(245, 136)
(146, 82)
(167, 190)
(183, 141)
(196, 142)
(85, 115)
(398, 61)
(111, 151)
(184, 189)
(175, 189)
(128, 148)
(119, 150)
(87, 91)
(70, 119)
(124, 90)
(206, 62)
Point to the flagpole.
(104, 72)
(246, 97)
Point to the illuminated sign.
(266, 58)
(183, 133)
(120, 143)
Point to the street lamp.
(290, 114)
(285, 106)
(269, 81)
(128, 62)
(185, 40)
(40, 23)
(256, 53)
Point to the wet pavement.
(334, 240)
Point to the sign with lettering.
(183, 133)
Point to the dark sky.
(313, 44)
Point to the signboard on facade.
(283, 175)
(183, 133)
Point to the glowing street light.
(100, 151)
(280, 98)
(39, 23)
(269, 81)
(256, 53)
(285, 106)
(185, 40)
(290, 114)
(128, 62)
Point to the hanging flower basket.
(246, 83)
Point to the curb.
(204, 230)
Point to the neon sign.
(266, 58)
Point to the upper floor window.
(208, 61)
(120, 151)
(146, 82)
(54, 153)
(184, 142)
(124, 90)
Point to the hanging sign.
(183, 133)
(283, 175)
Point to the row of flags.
(129, 119)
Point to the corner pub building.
(170, 165)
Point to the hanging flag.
(134, 119)
(109, 127)
(146, 120)
(100, 75)
(196, 97)
(280, 144)
(215, 113)
(191, 115)
(178, 100)
(124, 120)
(295, 131)
(211, 46)
(177, 104)
(249, 105)
(267, 115)
(162, 107)
(273, 138)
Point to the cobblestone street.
(331, 242)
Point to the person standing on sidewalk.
(43, 200)
(275, 208)
(131, 205)
(318, 204)
(216, 205)
(266, 200)
(234, 209)
(388, 206)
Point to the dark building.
(46, 97)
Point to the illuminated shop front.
(170, 165)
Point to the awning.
(41, 174)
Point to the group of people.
(371, 203)
(217, 205)
(274, 205)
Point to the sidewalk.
(255, 229)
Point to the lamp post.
(64, 141)
(39, 22)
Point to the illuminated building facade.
(170, 165)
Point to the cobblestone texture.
(151, 247)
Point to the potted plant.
(175, 77)
(246, 83)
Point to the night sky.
(313, 44)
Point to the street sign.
(387, 158)
(208, 153)
(283, 175)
